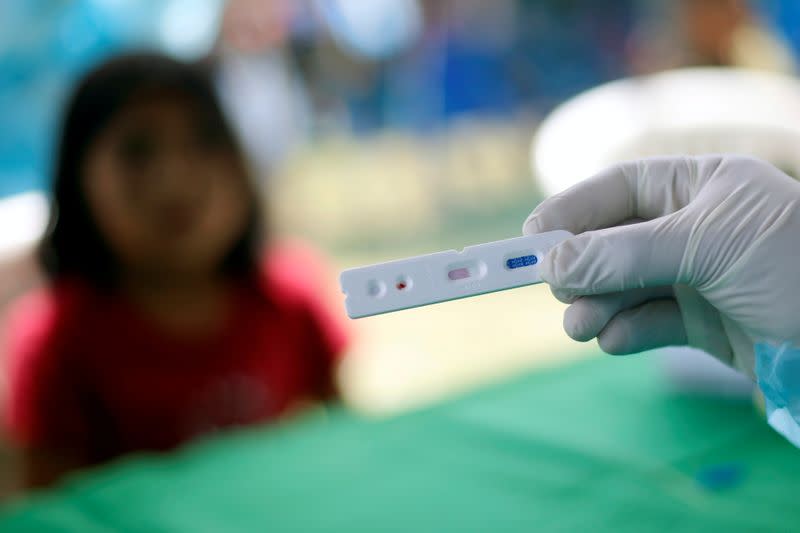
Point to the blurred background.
(385, 128)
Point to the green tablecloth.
(602, 445)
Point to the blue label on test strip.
(521, 262)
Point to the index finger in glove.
(644, 189)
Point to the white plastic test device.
(445, 276)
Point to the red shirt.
(88, 373)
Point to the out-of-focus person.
(725, 33)
(260, 87)
(165, 316)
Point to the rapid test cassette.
(445, 276)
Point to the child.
(162, 321)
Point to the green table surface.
(601, 445)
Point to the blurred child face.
(167, 192)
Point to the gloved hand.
(713, 261)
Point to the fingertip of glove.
(576, 330)
(581, 321)
(546, 267)
(615, 340)
(564, 296)
(556, 264)
(531, 226)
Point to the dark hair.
(73, 246)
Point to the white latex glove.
(715, 264)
